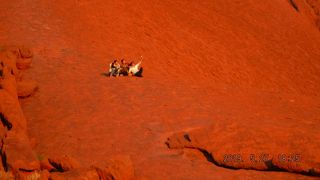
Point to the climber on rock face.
(114, 68)
(124, 69)
(123, 63)
(136, 70)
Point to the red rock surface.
(310, 9)
(81, 174)
(250, 146)
(26, 88)
(45, 164)
(118, 167)
(250, 66)
(64, 163)
(17, 157)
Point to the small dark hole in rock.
(57, 166)
(167, 143)
(186, 136)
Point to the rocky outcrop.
(270, 148)
(119, 167)
(18, 159)
(81, 174)
(16, 152)
(64, 163)
(26, 88)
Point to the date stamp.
(255, 158)
(287, 158)
(262, 157)
(232, 158)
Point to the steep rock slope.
(205, 62)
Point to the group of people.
(125, 69)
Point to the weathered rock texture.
(16, 152)
(196, 53)
(247, 146)
(19, 160)
(309, 8)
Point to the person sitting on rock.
(123, 63)
(124, 68)
(130, 64)
(135, 70)
(114, 68)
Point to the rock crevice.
(244, 147)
